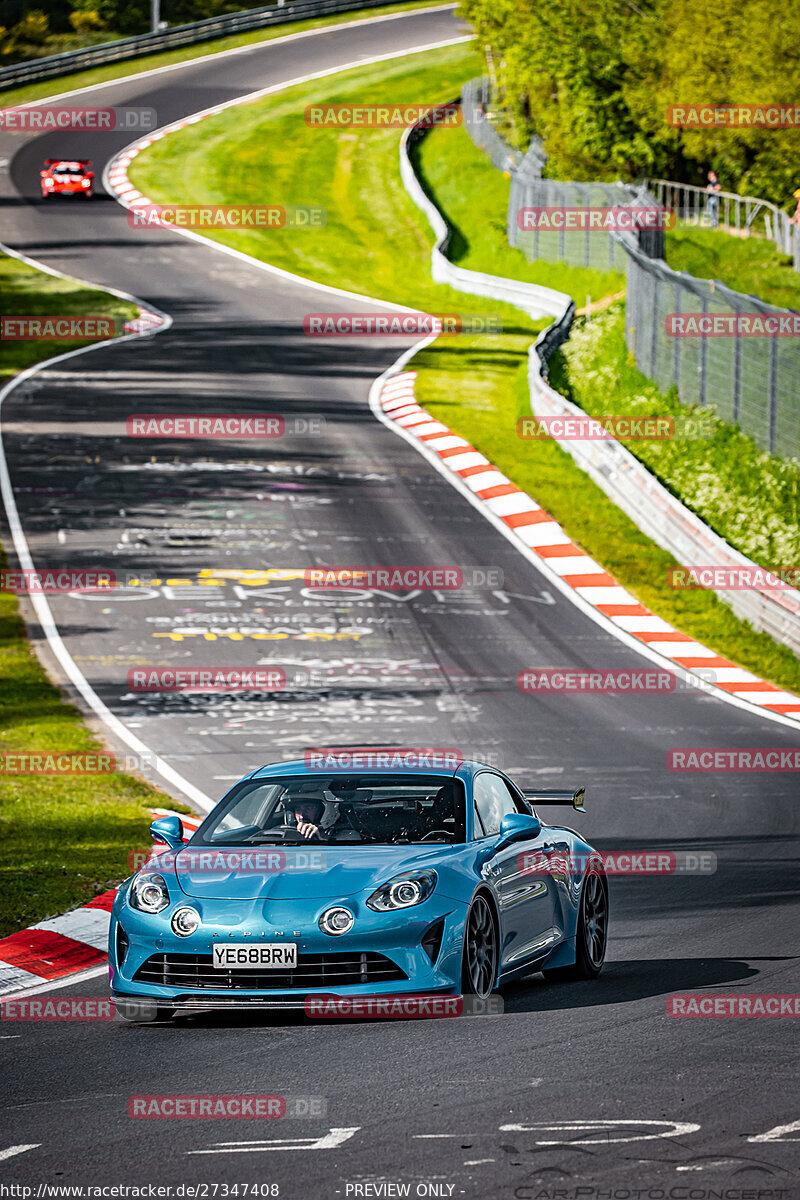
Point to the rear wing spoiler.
(543, 796)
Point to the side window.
(493, 801)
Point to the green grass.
(376, 242)
(90, 78)
(749, 265)
(476, 215)
(25, 291)
(62, 839)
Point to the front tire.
(479, 956)
(592, 933)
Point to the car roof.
(439, 764)
(73, 164)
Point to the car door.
(527, 900)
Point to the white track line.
(14, 1150)
(38, 600)
(249, 49)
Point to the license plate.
(264, 955)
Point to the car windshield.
(362, 810)
(62, 170)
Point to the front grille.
(312, 971)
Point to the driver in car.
(308, 810)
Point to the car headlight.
(49, 183)
(336, 921)
(185, 921)
(404, 891)
(84, 183)
(149, 893)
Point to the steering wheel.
(280, 833)
(435, 833)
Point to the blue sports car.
(306, 882)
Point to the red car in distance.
(65, 177)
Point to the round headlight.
(149, 892)
(185, 921)
(405, 893)
(336, 921)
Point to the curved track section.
(583, 1085)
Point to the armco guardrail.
(532, 299)
(182, 35)
(651, 507)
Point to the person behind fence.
(795, 219)
(713, 188)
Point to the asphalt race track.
(588, 1085)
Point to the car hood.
(292, 873)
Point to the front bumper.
(397, 937)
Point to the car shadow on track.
(630, 979)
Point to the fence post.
(676, 347)
(701, 385)
(773, 394)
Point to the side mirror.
(168, 830)
(517, 827)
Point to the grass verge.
(63, 839)
(376, 242)
(749, 265)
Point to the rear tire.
(591, 937)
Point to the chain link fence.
(749, 373)
(752, 381)
(474, 101)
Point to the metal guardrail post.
(773, 395)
